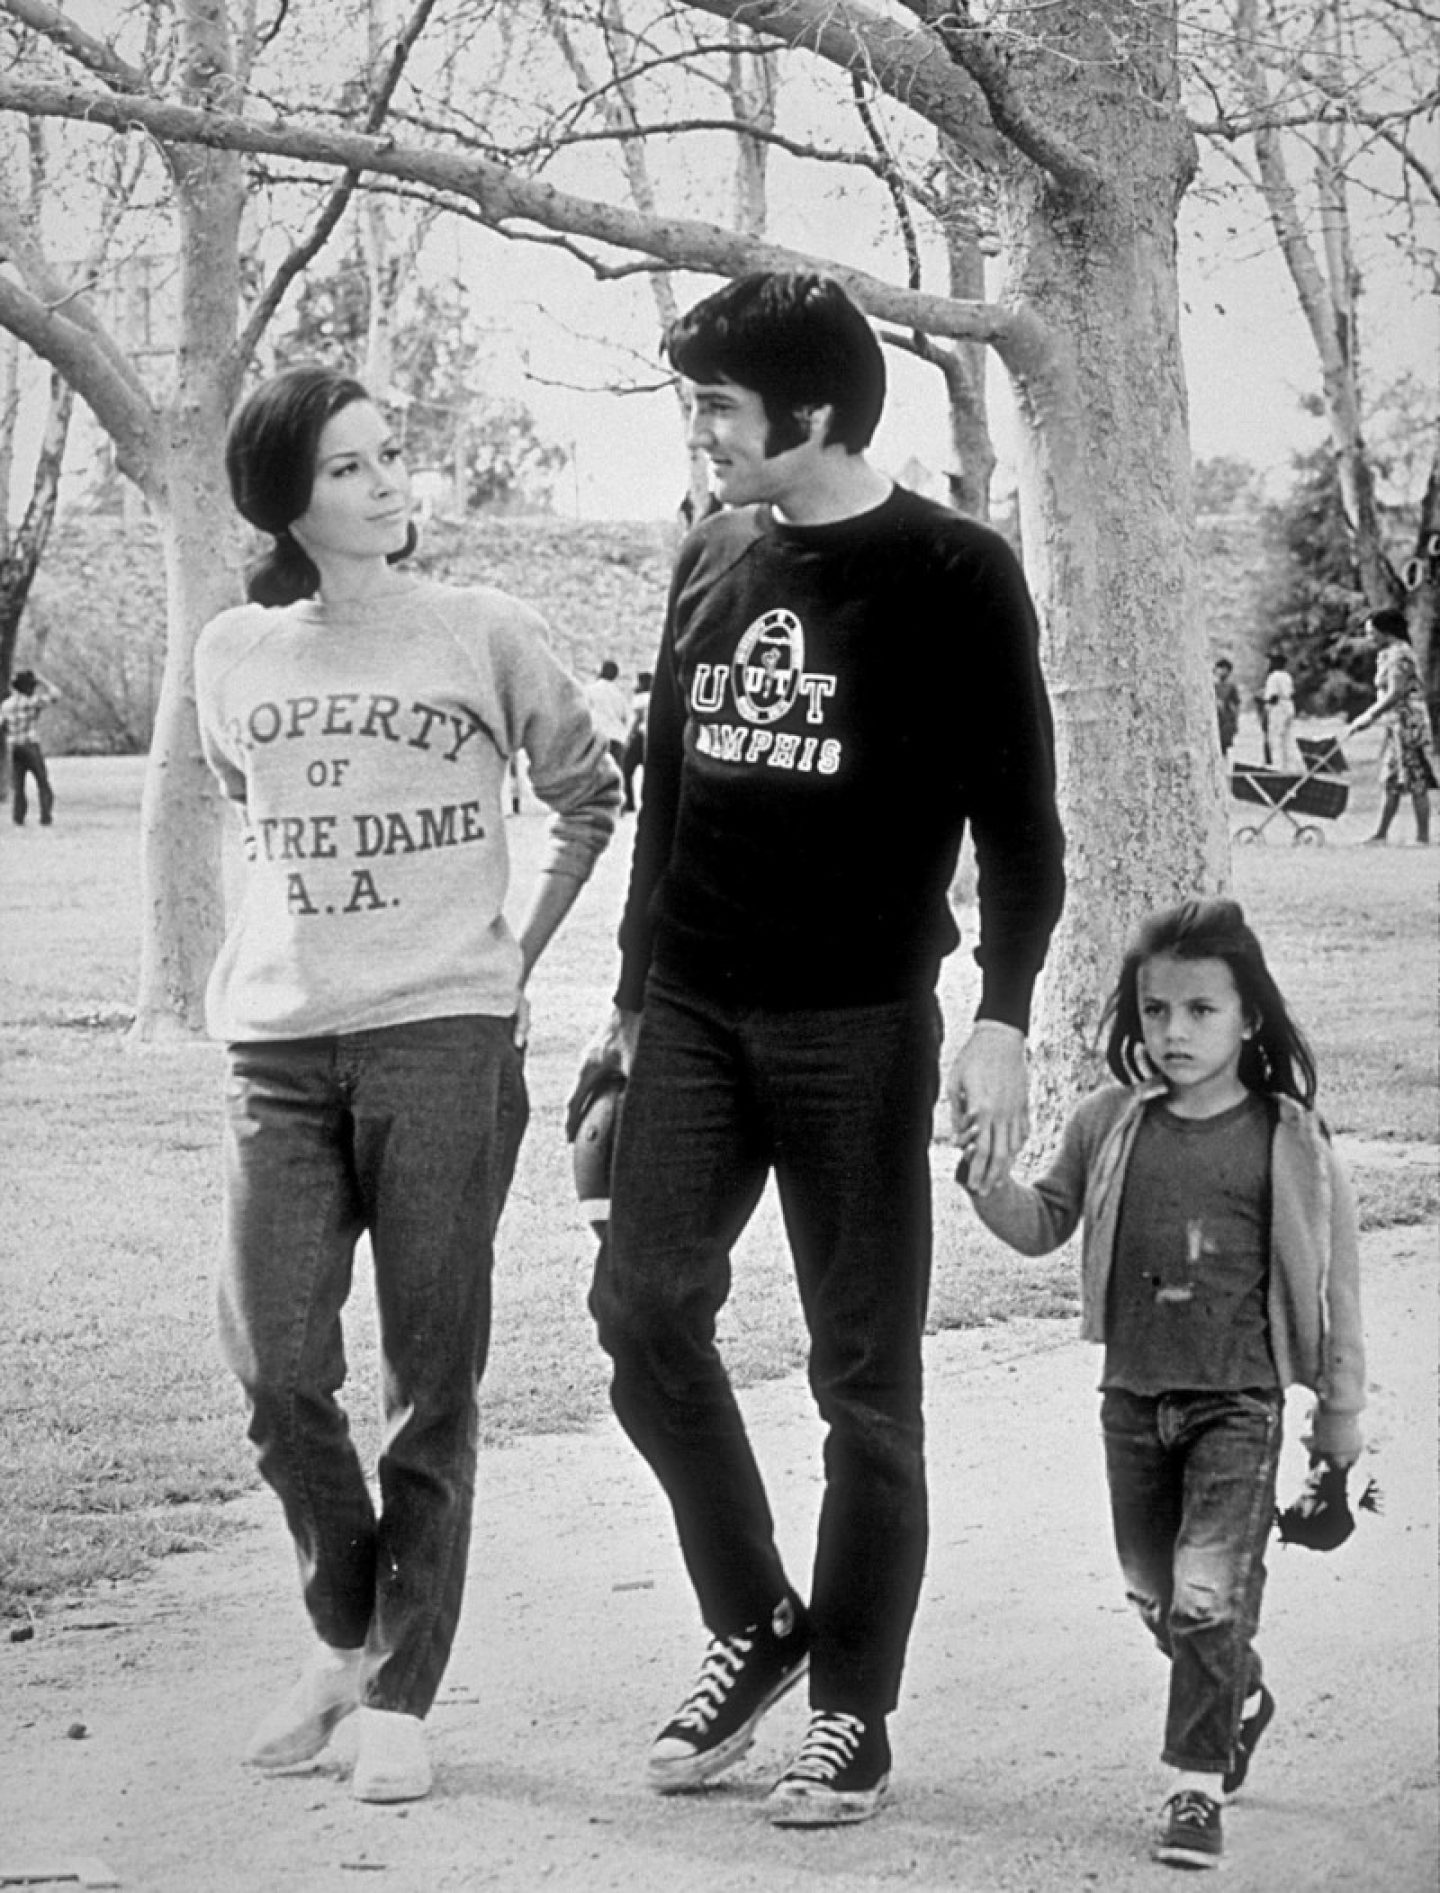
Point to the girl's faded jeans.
(1192, 1497)
(409, 1133)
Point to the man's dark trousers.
(840, 1104)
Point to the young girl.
(1219, 1266)
(370, 991)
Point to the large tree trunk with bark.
(1105, 501)
(182, 918)
(1422, 580)
(180, 813)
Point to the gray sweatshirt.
(367, 748)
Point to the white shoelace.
(1190, 1808)
(719, 1673)
(830, 1745)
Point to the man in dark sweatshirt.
(848, 675)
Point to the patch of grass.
(113, 1405)
(1388, 1198)
(1350, 934)
(121, 1433)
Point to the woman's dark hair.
(1390, 623)
(798, 341)
(270, 456)
(1276, 1057)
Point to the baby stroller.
(1318, 791)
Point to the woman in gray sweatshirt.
(371, 994)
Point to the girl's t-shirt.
(1187, 1294)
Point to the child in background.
(1219, 1266)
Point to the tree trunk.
(1422, 576)
(970, 434)
(1324, 289)
(182, 904)
(1105, 505)
(180, 813)
(752, 87)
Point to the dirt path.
(1025, 1744)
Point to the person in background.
(1227, 704)
(20, 713)
(1279, 695)
(848, 676)
(371, 993)
(1406, 767)
(1219, 1266)
(609, 707)
(633, 755)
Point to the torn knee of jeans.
(1148, 1607)
(1199, 1606)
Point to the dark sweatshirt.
(831, 705)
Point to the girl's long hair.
(1275, 1058)
(270, 455)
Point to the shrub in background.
(95, 624)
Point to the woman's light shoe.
(390, 1763)
(297, 1728)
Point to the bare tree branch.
(121, 407)
(95, 55)
(501, 197)
(988, 58)
(657, 128)
(909, 63)
(304, 252)
(56, 294)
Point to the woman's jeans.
(839, 1103)
(1192, 1497)
(410, 1133)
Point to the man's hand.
(520, 1025)
(612, 1049)
(989, 1093)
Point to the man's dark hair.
(24, 682)
(798, 341)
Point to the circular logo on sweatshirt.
(769, 662)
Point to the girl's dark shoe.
(1190, 1834)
